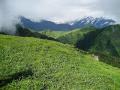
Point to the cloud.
(109, 7)
(7, 19)
(56, 10)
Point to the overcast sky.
(57, 10)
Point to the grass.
(53, 34)
(27, 63)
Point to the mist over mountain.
(88, 21)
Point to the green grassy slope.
(36, 64)
(108, 42)
(74, 36)
(53, 34)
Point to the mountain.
(28, 63)
(44, 24)
(107, 45)
(108, 41)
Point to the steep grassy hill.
(108, 42)
(74, 36)
(36, 64)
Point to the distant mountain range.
(44, 24)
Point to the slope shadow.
(86, 43)
(16, 76)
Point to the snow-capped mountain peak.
(96, 22)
